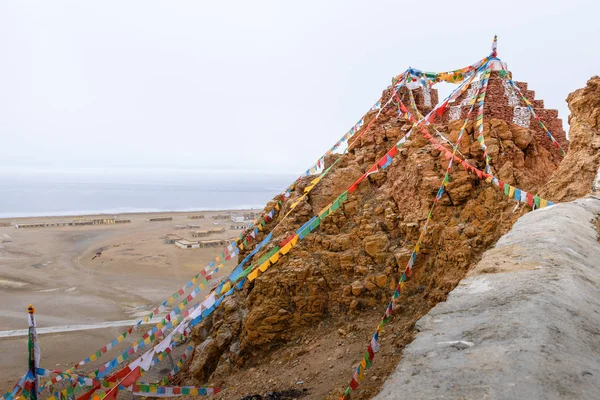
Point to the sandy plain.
(56, 269)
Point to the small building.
(238, 227)
(122, 221)
(43, 224)
(82, 222)
(193, 226)
(180, 227)
(158, 219)
(220, 216)
(217, 230)
(4, 224)
(213, 243)
(239, 218)
(102, 221)
(31, 225)
(199, 216)
(171, 238)
(200, 233)
(187, 244)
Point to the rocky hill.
(578, 172)
(303, 325)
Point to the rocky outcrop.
(579, 170)
(347, 269)
(521, 325)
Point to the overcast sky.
(259, 85)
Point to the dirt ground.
(56, 270)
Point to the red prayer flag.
(354, 384)
(131, 377)
(530, 200)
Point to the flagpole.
(32, 345)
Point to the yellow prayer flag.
(253, 275)
(543, 203)
(285, 249)
(274, 258)
(294, 240)
(511, 191)
(93, 357)
(363, 364)
(264, 266)
(308, 188)
(226, 287)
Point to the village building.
(180, 226)
(238, 227)
(213, 243)
(158, 219)
(199, 216)
(171, 238)
(102, 221)
(240, 218)
(221, 216)
(187, 244)
(193, 226)
(200, 233)
(43, 224)
(217, 230)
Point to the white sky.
(250, 85)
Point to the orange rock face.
(349, 266)
(578, 171)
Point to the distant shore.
(126, 214)
(95, 276)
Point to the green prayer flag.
(343, 197)
(335, 205)
(536, 200)
(314, 224)
(506, 188)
